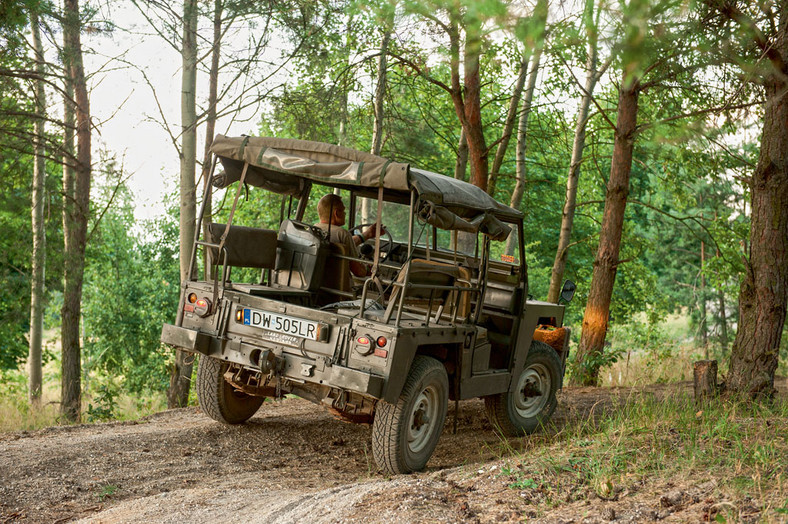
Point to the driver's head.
(331, 210)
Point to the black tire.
(218, 399)
(405, 434)
(531, 402)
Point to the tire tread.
(211, 393)
(497, 406)
(386, 446)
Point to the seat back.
(337, 282)
(426, 275)
(244, 246)
(300, 256)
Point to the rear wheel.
(531, 403)
(220, 400)
(405, 434)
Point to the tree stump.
(705, 372)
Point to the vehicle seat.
(432, 273)
(244, 246)
(337, 281)
(300, 256)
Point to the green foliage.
(107, 491)
(131, 290)
(106, 407)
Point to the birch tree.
(593, 74)
(178, 393)
(37, 219)
(534, 36)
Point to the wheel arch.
(448, 354)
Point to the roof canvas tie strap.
(223, 239)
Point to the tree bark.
(508, 125)
(705, 379)
(763, 295)
(75, 218)
(37, 219)
(704, 330)
(461, 165)
(467, 100)
(597, 312)
(210, 119)
(380, 96)
(522, 132)
(723, 320)
(178, 394)
(474, 132)
(578, 146)
(522, 143)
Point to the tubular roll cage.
(478, 292)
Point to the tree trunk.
(578, 146)
(723, 320)
(522, 144)
(508, 125)
(763, 295)
(380, 96)
(76, 209)
(380, 92)
(461, 165)
(705, 379)
(534, 43)
(210, 119)
(38, 226)
(343, 101)
(474, 132)
(522, 132)
(178, 394)
(597, 312)
(704, 331)
(467, 101)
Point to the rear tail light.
(202, 306)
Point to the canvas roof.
(285, 166)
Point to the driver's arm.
(368, 234)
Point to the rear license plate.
(297, 327)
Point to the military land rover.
(443, 313)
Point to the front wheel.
(531, 402)
(405, 434)
(218, 398)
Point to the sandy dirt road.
(293, 462)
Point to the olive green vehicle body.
(338, 353)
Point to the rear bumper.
(297, 368)
(186, 339)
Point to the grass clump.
(659, 441)
(105, 401)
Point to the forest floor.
(294, 463)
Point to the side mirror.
(567, 292)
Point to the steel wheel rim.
(533, 391)
(422, 419)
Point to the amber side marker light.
(239, 315)
(192, 298)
